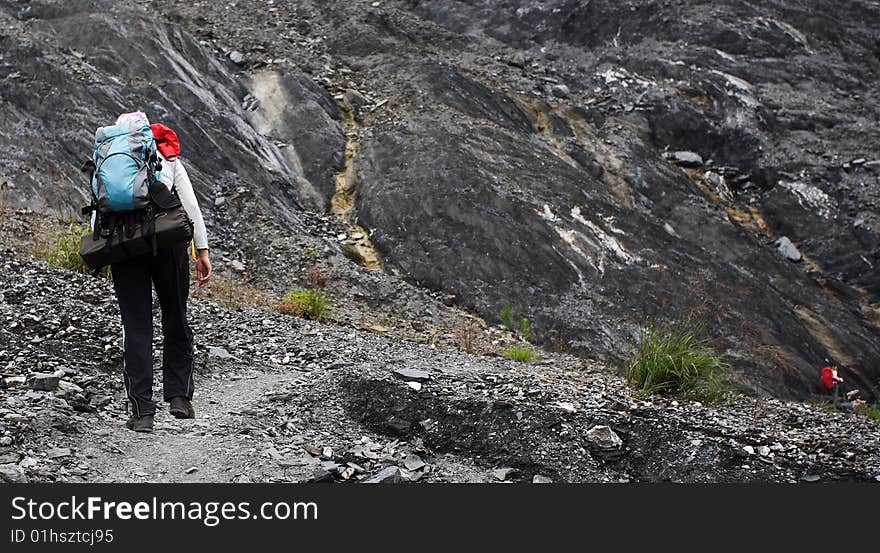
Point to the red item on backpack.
(166, 141)
(828, 378)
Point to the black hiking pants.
(169, 273)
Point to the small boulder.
(45, 382)
(604, 438)
(560, 91)
(413, 462)
(788, 250)
(686, 159)
(517, 59)
(354, 100)
(219, 352)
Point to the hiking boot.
(182, 408)
(140, 424)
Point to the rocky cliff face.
(595, 163)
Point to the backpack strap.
(89, 167)
(111, 222)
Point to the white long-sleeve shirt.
(174, 174)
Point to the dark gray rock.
(9, 458)
(388, 475)
(686, 159)
(13, 474)
(560, 91)
(59, 452)
(517, 59)
(412, 374)
(45, 382)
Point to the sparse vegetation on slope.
(520, 353)
(674, 358)
(61, 249)
(309, 303)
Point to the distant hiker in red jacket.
(831, 381)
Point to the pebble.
(566, 406)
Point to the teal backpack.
(123, 165)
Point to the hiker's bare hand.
(203, 267)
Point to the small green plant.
(524, 329)
(507, 315)
(520, 353)
(872, 411)
(309, 303)
(675, 359)
(62, 249)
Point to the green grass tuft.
(872, 411)
(520, 353)
(62, 249)
(524, 330)
(674, 359)
(309, 303)
(507, 315)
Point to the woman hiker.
(168, 272)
